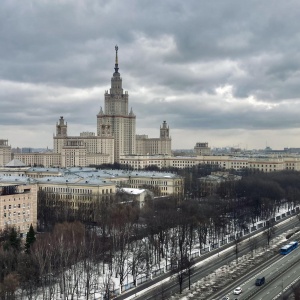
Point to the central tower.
(116, 116)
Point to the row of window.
(157, 182)
(74, 191)
(15, 214)
(16, 206)
(16, 199)
(263, 166)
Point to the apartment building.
(18, 203)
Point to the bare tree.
(138, 259)
(237, 241)
(9, 286)
(270, 230)
(253, 243)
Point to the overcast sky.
(224, 72)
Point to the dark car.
(260, 281)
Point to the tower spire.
(116, 61)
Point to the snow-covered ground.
(75, 280)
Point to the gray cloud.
(201, 65)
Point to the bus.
(289, 247)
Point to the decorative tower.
(116, 118)
(165, 139)
(61, 135)
(61, 128)
(164, 131)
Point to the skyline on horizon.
(224, 73)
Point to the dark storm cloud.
(197, 64)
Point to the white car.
(237, 291)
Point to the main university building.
(115, 136)
(115, 140)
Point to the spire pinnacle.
(116, 61)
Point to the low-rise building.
(79, 196)
(225, 162)
(209, 184)
(165, 183)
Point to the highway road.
(278, 275)
(153, 288)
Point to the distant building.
(165, 183)
(115, 137)
(81, 190)
(5, 152)
(224, 162)
(83, 150)
(155, 146)
(116, 117)
(202, 149)
(80, 197)
(209, 184)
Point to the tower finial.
(116, 61)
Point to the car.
(260, 281)
(225, 298)
(237, 291)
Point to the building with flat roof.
(202, 149)
(18, 203)
(225, 162)
(209, 184)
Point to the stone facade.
(5, 152)
(18, 206)
(84, 150)
(209, 184)
(155, 146)
(115, 137)
(264, 164)
(116, 117)
(202, 149)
